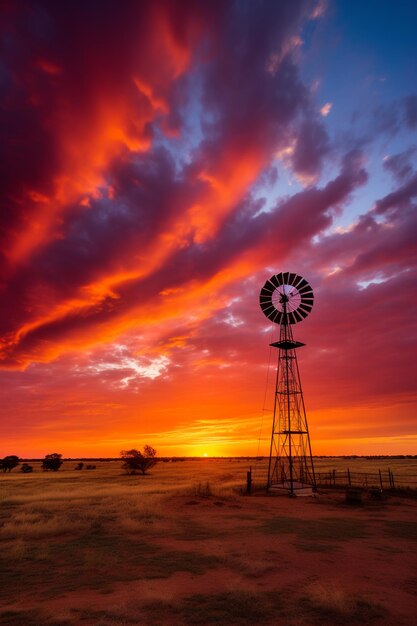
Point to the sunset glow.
(161, 160)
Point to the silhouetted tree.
(79, 466)
(26, 468)
(52, 462)
(136, 461)
(9, 462)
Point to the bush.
(26, 468)
(79, 466)
(52, 462)
(9, 463)
(135, 461)
(90, 467)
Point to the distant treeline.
(232, 458)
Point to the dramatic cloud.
(161, 159)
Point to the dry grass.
(231, 608)
(76, 532)
(330, 604)
(65, 531)
(403, 529)
(30, 618)
(323, 529)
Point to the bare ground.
(179, 559)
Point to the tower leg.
(290, 466)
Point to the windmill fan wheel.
(286, 292)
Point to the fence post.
(334, 478)
(249, 481)
(348, 473)
(380, 479)
(392, 478)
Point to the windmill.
(287, 299)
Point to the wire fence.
(382, 479)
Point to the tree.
(52, 462)
(9, 462)
(136, 461)
(26, 468)
(79, 466)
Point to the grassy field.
(183, 546)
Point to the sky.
(160, 161)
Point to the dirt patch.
(194, 558)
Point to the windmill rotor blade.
(269, 285)
(291, 278)
(285, 277)
(266, 304)
(303, 283)
(266, 292)
(277, 317)
(297, 315)
(305, 289)
(268, 310)
(307, 305)
(297, 280)
(274, 281)
(291, 318)
(267, 307)
(304, 309)
(279, 278)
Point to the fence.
(383, 479)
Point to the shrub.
(52, 462)
(26, 468)
(9, 463)
(79, 466)
(135, 461)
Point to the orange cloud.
(144, 206)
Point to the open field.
(182, 546)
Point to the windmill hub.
(287, 299)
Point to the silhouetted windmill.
(287, 299)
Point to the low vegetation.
(52, 462)
(185, 547)
(135, 461)
(9, 463)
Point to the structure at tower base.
(286, 299)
